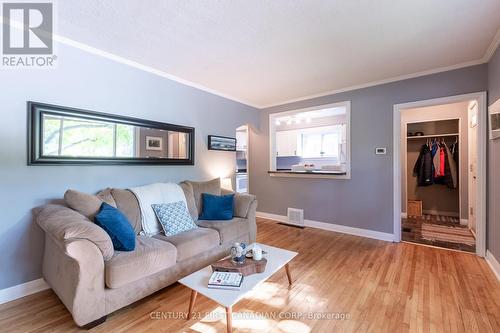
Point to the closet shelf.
(431, 136)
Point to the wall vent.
(295, 217)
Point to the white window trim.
(272, 141)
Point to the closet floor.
(436, 230)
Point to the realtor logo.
(27, 30)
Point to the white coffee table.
(276, 259)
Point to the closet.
(433, 168)
(435, 155)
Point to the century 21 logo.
(35, 34)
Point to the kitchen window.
(311, 142)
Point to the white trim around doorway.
(481, 150)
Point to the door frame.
(248, 128)
(481, 161)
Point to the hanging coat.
(454, 151)
(452, 180)
(423, 167)
(435, 158)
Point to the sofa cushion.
(87, 204)
(150, 256)
(106, 196)
(191, 204)
(193, 242)
(210, 187)
(242, 202)
(174, 217)
(217, 207)
(228, 230)
(117, 227)
(127, 203)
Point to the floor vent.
(295, 217)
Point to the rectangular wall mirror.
(61, 135)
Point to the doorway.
(439, 172)
(242, 140)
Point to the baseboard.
(494, 264)
(21, 290)
(333, 227)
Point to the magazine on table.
(225, 280)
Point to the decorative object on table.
(223, 143)
(249, 267)
(250, 254)
(256, 253)
(238, 253)
(225, 280)
(307, 167)
(217, 207)
(154, 143)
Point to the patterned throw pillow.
(174, 217)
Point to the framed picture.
(494, 115)
(221, 143)
(154, 143)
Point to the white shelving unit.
(431, 136)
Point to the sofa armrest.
(242, 202)
(65, 226)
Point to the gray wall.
(91, 82)
(366, 200)
(494, 162)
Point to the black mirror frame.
(36, 110)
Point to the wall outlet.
(381, 151)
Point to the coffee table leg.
(288, 275)
(229, 319)
(191, 303)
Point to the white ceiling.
(264, 52)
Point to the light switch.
(381, 151)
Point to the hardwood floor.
(381, 286)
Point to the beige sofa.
(93, 280)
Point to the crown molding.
(492, 48)
(379, 82)
(135, 64)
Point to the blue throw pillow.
(217, 207)
(117, 226)
(174, 217)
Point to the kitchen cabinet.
(287, 143)
(241, 141)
